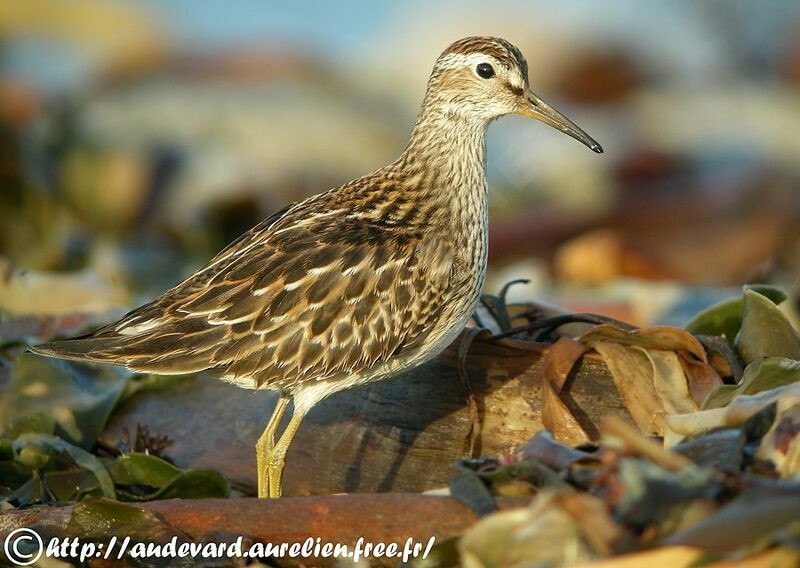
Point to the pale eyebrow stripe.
(457, 59)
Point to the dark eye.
(485, 70)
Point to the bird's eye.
(485, 70)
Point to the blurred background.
(138, 138)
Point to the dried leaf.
(666, 338)
(554, 370)
(560, 360)
(633, 376)
(557, 418)
(687, 425)
(543, 534)
(702, 377)
(669, 380)
(736, 413)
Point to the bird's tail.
(115, 350)
(79, 349)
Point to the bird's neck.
(444, 166)
(446, 159)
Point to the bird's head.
(484, 78)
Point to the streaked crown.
(497, 48)
(478, 77)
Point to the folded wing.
(287, 302)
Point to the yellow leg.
(277, 457)
(266, 443)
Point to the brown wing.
(289, 302)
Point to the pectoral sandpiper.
(352, 285)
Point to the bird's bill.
(534, 107)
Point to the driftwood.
(402, 434)
(332, 519)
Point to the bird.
(350, 286)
